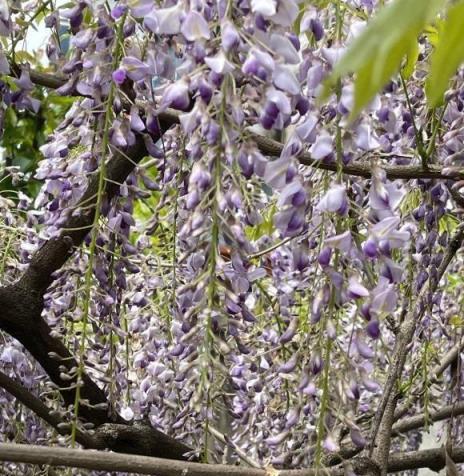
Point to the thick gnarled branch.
(22, 302)
(56, 251)
(434, 459)
(22, 305)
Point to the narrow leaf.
(448, 55)
(411, 60)
(376, 54)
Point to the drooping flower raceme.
(235, 287)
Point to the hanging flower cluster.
(236, 298)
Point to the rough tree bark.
(434, 459)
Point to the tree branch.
(55, 252)
(419, 421)
(435, 459)
(118, 437)
(41, 410)
(22, 305)
(89, 459)
(95, 460)
(21, 318)
(22, 302)
(436, 373)
(274, 149)
(384, 418)
(349, 450)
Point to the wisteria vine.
(259, 285)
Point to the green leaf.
(297, 23)
(376, 54)
(433, 32)
(454, 280)
(456, 321)
(24, 56)
(372, 76)
(60, 100)
(448, 223)
(411, 201)
(266, 227)
(448, 55)
(411, 60)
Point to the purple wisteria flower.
(334, 200)
(195, 27)
(234, 278)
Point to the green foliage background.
(24, 133)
